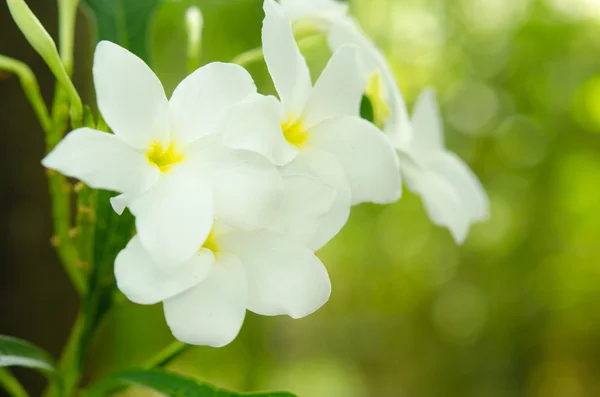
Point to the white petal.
(466, 184)
(211, 313)
(102, 161)
(202, 99)
(441, 202)
(366, 155)
(339, 89)
(346, 32)
(130, 96)
(174, 217)
(306, 203)
(286, 64)
(284, 277)
(255, 125)
(299, 8)
(146, 283)
(247, 188)
(427, 123)
(327, 169)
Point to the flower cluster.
(234, 191)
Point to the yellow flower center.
(375, 92)
(210, 243)
(163, 159)
(294, 132)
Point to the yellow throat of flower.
(294, 132)
(375, 91)
(210, 243)
(163, 159)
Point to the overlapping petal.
(145, 282)
(212, 312)
(247, 188)
(366, 155)
(175, 216)
(255, 125)
(284, 277)
(202, 99)
(306, 204)
(130, 96)
(326, 168)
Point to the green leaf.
(11, 384)
(124, 22)
(16, 352)
(42, 43)
(169, 384)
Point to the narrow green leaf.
(16, 352)
(169, 384)
(124, 22)
(40, 40)
(11, 384)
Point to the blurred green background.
(511, 313)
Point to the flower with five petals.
(165, 157)
(316, 130)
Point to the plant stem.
(255, 55)
(60, 191)
(67, 13)
(69, 364)
(166, 355)
(11, 384)
(30, 87)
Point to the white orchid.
(269, 273)
(316, 130)
(166, 157)
(452, 195)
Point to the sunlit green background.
(514, 312)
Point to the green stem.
(69, 363)
(256, 55)
(11, 384)
(31, 88)
(166, 355)
(67, 13)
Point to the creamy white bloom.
(269, 273)
(452, 195)
(166, 157)
(315, 130)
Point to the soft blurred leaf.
(16, 352)
(169, 384)
(124, 22)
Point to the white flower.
(452, 194)
(165, 156)
(316, 130)
(269, 273)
